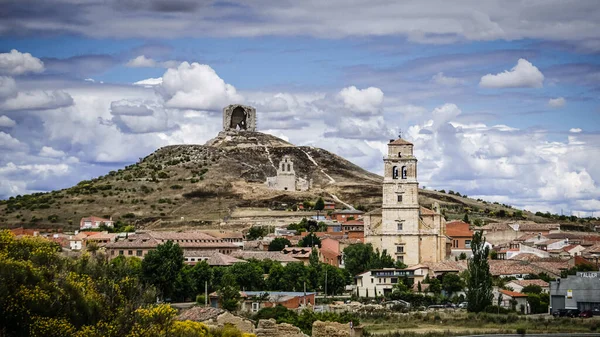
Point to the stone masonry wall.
(269, 328)
(334, 329)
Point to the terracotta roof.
(94, 219)
(512, 293)
(298, 252)
(329, 253)
(183, 239)
(455, 266)
(224, 235)
(511, 267)
(213, 258)
(258, 255)
(457, 229)
(400, 141)
(569, 247)
(525, 257)
(200, 314)
(525, 283)
(496, 227)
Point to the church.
(408, 232)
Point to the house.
(380, 282)
(100, 239)
(299, 253)
(552, 244)
(212, 257)
(461, 235)
(253, 301)
(332, 250)
(94, 222)
(512, 299)
(347, 215)
(257, 245)
(518, 285)
(280, 257)
(329, 205)
(139, 244)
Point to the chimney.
(391, 140)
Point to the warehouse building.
(581, 291)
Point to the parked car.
(560, 313)
(596, 311)
(586, 314)
(573, 313)
(450, 305)
(463, 305)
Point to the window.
(112, 252)
(404, 172)
(399, 226)
(400, 258)
(130, 252)
(467, 243)
(399, 249)
(395, 172)
(400, 198)
(399, 154)
(120, 252)
(138, 253)
(394, 280)
(255, 306)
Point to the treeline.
(45, 294)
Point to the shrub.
(176, 187)
(163, 175)
(521, 331)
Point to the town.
(401, 257)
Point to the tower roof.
(399, 141)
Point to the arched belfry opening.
(395, 172)
(404, 172)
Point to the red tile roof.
(512, 293)
(456, 229)
(400, 141)
(525, 283)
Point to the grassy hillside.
(202, 185)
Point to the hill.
(223, 182)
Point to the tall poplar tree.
(479, 289)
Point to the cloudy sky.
(501, 98)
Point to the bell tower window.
(395, 172)
(404, 172)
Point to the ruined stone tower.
(408, 232)
(239, 117)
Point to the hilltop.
(223, 182)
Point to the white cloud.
(149, 82)
(362, 101)
(8, 142)
(557, 102)
(141, 62)
(575, 130)
(448, 81)
(17, 63)
(6, 122)
(38, 100)
(145, 62)
(197, 86)
(48, 151)
(8, 87)
(523, 75)
(130, 108)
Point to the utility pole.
(305, 294)
(206, 293)
(325, 283)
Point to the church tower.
(408, 232)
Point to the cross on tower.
(400, 134)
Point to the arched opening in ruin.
(238, 119)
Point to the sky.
(500, 98)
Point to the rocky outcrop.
(334, 329)
(217, 318)
(270, 328)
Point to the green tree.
(229, 292)
(462, 256)
(532, 289)
(466, 218)
(249, 275)
(319, 205)
(314, 258)
(256, 232)
(161, 267)
(278, 244)
(202, 277)
(361, 257)
(435, 286)
(311, 240)
(452, 283)
(478, 222)
(479, 287)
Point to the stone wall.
(334, 329)
(269, 328)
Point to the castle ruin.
(239, 117)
